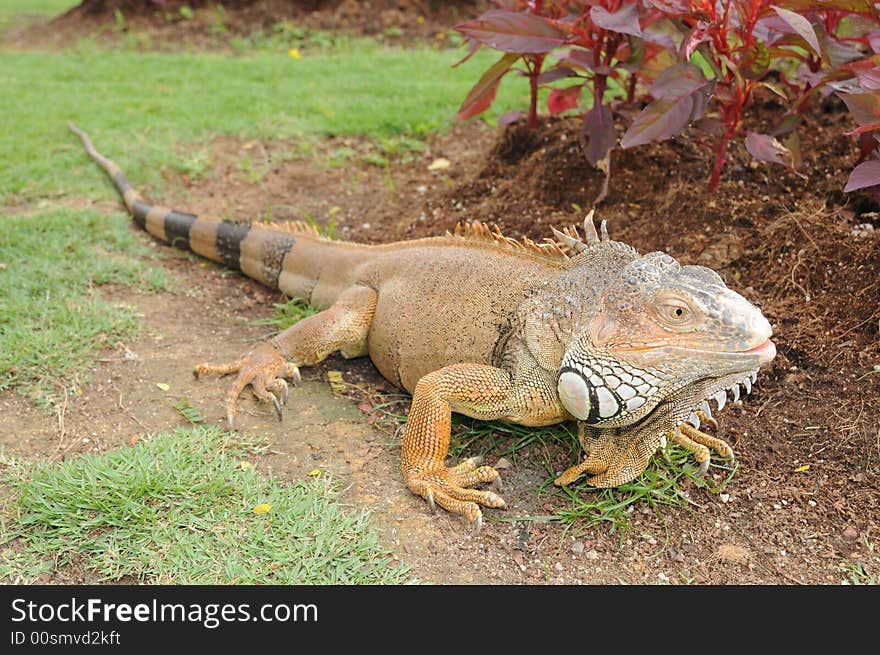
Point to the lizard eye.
(675, 312)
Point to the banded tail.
(292, 258)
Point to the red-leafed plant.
(743, 41)
(699, 60)
(598, 42)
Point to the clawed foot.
(449, 488)
(613, 460)
(699, 444)
(264, 369)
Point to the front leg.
(343, 326)
(477, 390)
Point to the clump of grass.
(857, 573)
(53, 318)
(661, 484)
(179, 508)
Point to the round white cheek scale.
(574, 394)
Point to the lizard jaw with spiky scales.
(730, 387)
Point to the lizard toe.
(439, 487)
(473, 477)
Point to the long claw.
(431, 503)
(284, 391)
(278, 411)
(704, 467)
(230, 421)
(478, 523)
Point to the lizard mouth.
(765, 350)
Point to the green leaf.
(755, 61)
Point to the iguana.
(632, 347)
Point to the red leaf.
(557, 73)
(580, 58)
(510, 31)
(865, 107)
(561, 99)
(672, 7)
(765, 148)
(677, 80)
(597, 135)
(509, 118)
(868, 72)
(668, 116)
(867, 144)
(472, 50)
(864, 175)
(839, 53)
(863, 129)
(623, 21)
(801, 26)
(480, 97)
(874, 40)
(692, 41)
(664, 33)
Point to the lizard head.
(662, 333)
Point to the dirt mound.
(208, 23)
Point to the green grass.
(857, 573)
(53, 319)
(148, 110)
(661, 485)
(35, 7)
(178, 508)
(12, 9)
(287, 313)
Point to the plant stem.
(534, 64)
(720, 158)
(533, 100)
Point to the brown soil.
(807, 253)
(211, 24)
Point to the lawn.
(152, 110)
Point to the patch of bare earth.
(807, 439)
